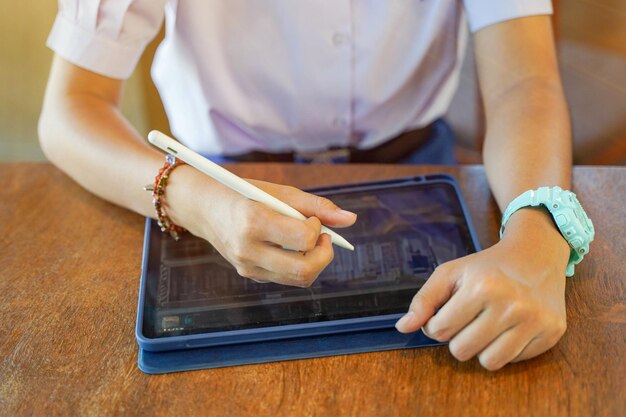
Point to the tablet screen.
(401, 235)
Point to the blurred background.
(590, 34)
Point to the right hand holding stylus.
(250, 235)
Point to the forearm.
(528, 145)
(96, 146)
(87, 137)
(528, 142)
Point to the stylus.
(232, 181)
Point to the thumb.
(320, 207)
(309, 204)
(325, 210)
(433, 294)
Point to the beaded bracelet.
(158, 195)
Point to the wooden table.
(70, 267)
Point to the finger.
(322, 208)
(435, 292)
(539, 345)
(261, 275)
(506, 347)
(536, 347)
(310, 204)
(256, 274)
(479, 334)
(301, 235)
(298, 269)
(458, 312)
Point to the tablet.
(190, 296)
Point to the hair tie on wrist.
(158, 196)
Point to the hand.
(504, 304)
(252, 236)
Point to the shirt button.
(339, 38)
(340, 122)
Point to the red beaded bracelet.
(158, 196)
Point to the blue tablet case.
(279, 350)
(162, 362)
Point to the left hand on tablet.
(504, 304)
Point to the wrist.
(534, 228)
(181, 198)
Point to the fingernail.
(345, 213)
(404, 320)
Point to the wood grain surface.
(69, 277)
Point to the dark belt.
(390, 151)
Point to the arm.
(507, 303)
(83, 132)
(528, 142)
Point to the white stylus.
(169, 145)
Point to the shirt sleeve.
(483, 13)
(105, 36)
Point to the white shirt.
(241, 75)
